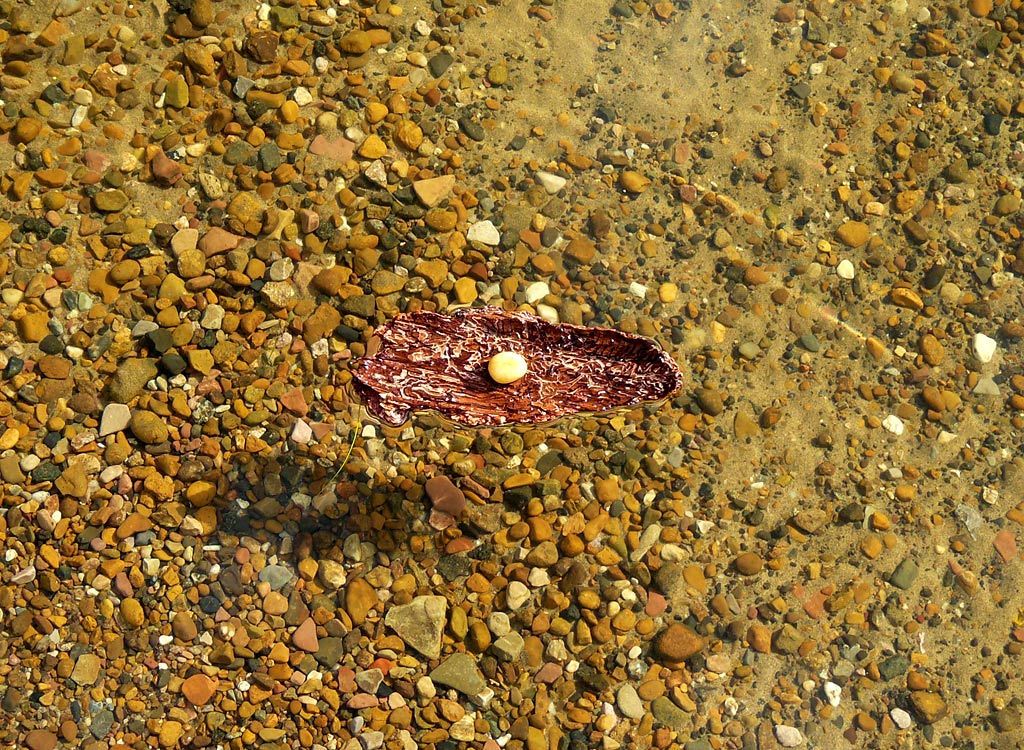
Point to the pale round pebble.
(901, 718)
(507, 367)
(788, 736)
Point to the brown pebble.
(198, 689)
(749, 563)
(40, 739)
(677, 643)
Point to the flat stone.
(485, 233)
(40, 739)
(387, 282)
(788, 736)
(928, 707)
(134, 524)
(183, 626)
(330, 651)
(110, 201)
(132, 613)
(360, 598)
(114, 419)
(459, 671)
(198, 689)
(217, 241)
(509, 646)
(337, 149)
(87, 669)
(677, 643)
(131, 377)
(304, 638)
(148, 427)
(420, 623)
(445, 496)
(320, 324)
(853, 233)
(668, 714)
(629, 703)
(551, 183)
(433, 190)
(904, 575)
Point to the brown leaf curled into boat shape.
(426, 360)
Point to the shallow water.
(814, 207)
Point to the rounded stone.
(677, 643)
(148, 427)
(506, 367)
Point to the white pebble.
(788, 736)
(302, 433)
(485, 232)
(548, 313)
(900, 718)
(833, 693)
(984, 348)
(638, 290)
(516, 595)
(845, 269)
(302, 96)
(537, 291)
(551, 183)
(893, 424)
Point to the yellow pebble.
(372, 147)
(668, 292)
(506, 367)
(375, 112)
(289, 111)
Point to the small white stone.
(984, 348)
(788, 736)
(845, 269)
(302, 433)
(538, 577)
(551, 183)
(484, 232)
(901, 718)
(537, 291)
(548, 313)
(638, 290)
(115, 418)
(893, 424)
(506, 367)
(302, 96)
(516, 595)
(833, 693)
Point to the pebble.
(984, 348)
(853, 233)
(677, 643)
(198, 689)
(928, 707)
(459, 671)
(552, 183)
(788, 736)
(87, 669)
(900, 718)
(629, 703)
(419, 623)
(484, 232)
